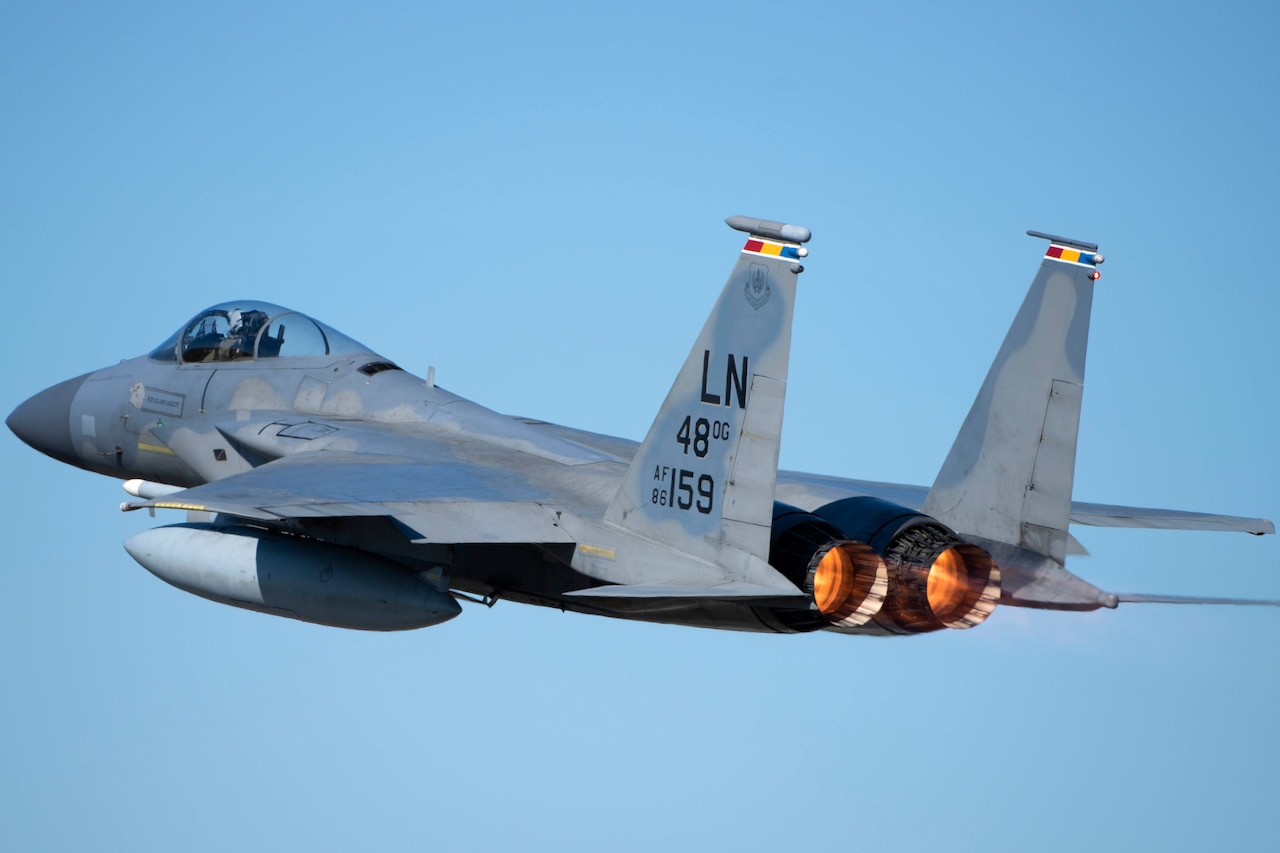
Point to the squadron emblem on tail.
(757, 287)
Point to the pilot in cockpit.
(241, 334)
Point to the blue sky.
(529, 198)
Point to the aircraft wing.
(803, 489)
(446, 502)
(811, 490)
(1108, 515)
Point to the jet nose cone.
(44, 421)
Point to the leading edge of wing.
(306, 483)
(432, 502)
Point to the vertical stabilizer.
(1009, 475)
(703, 479)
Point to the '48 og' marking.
(676, 489)
(701, 435)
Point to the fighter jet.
(324, 483)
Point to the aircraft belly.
(707, 614)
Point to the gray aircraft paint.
(340, 449)
(1009, 475)
(720, 423)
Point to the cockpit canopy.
(245, 330)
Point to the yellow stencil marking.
(155, 448)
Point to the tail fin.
(704, 477)
(1009, 475)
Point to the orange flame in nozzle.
(849, 583)
(948, 584)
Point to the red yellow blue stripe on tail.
(777, 250)
(1073, 256)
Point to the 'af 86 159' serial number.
(681, 488)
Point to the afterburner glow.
(936, 578)
(948, 584)
(849, 584)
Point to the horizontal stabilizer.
(729, 591)
(1138, 598)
